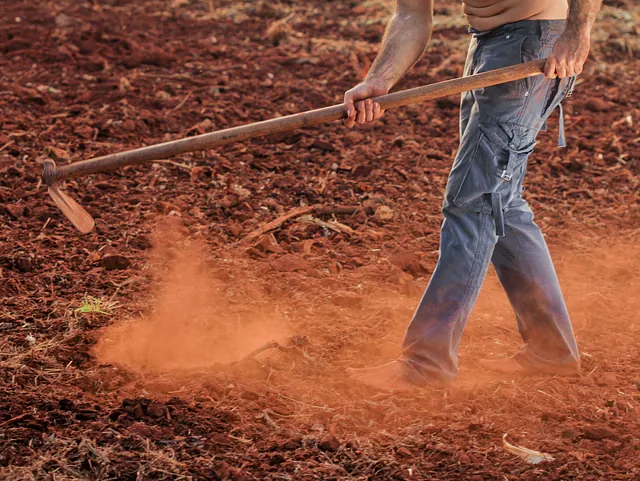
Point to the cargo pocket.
(493, 176)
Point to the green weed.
(94, 304)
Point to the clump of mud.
(199, 313)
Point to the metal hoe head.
(79, 217)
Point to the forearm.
(407, 35)
(582, 16)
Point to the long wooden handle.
(291, 122)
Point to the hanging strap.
(498, 215)
(562, 141)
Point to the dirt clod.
(290, 263)
(157, 410)
(597, 433)
(276, 459)
(347, 299)
(24, 264)
(66, 404)
(408, 261)
(268, 244)
(362, 170)
(15, 211)
(145, 431)
(291, 444)
(597, 105)
(329, 443)
(384, 213)
(608, 379)
(115, 262)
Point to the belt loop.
(562, 141)
(496, 207)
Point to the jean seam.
(499, 120)
(531, 275)
(523, 250)
(527, 98)
(465, 298)
(467, 169)
(526, 257)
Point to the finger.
(571, 68)
(550, 68)
(362, 113)
(561, 70)
(368, 105)
(578, 68)
(378, 113)
(349, 121)
(348, 105)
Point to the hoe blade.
(79, 217)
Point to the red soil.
(149, 388)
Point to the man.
(485, 217)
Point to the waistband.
(525, 27)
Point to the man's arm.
(572, 48)
(407, 35)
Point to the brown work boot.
(510, 365)
(388, 377)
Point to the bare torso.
(489, 14)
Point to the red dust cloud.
(196, 318)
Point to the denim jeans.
(487, 220)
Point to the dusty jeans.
(486, 219)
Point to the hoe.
(81, 219)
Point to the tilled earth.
(128, 353)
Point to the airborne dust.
(203, 313)
(193, 320)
